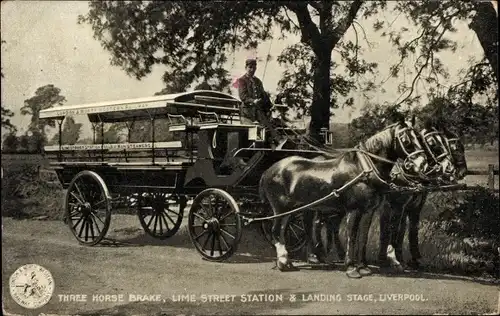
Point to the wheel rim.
(88, 208)
(295, 233)
(214, 225)
(158, 216)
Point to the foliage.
(296, 84)
(10, 143)
(6, 113)
(472, 121)
(45, 97)
(70, 132)
(192, 39)
(373, 119)
(435, 22)
(476, 215)
(6, 123)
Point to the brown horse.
(403, 206)
(351, 184)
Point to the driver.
(256, 104)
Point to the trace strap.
(334, 193)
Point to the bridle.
(403, 140)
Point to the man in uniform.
(256, 103)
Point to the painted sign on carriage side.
(55, 112)
(173, 144)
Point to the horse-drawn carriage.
(159, 177)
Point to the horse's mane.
(381, 140)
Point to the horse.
(409, 206)
(351, 184)
(441, 169)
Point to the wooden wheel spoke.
(171, 211)
(297, 226)
(199, 235)
(98, 203)
(86, 230)
(78, 222)
(206, 241)
(97, 225)
(199, 216)
(80, 192)
(218, 245)
(226, 215)
(293, 231)
(156, 222)
(91, 226)
(95, 216)
(168, 216)
(165, 220)
(225, 242)
(213, 245)
(160, 221)
(77, 198)
(231, 225)
(150, 220)
(225, 232)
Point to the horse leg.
(312, 226)
(414, 218)
(283, 263)
(364, 229)
(335, 226)
(386, 230)
(352, 224)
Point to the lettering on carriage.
(110, 108)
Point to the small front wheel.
(214, 224)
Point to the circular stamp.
(31, 286)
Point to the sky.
(45, 45)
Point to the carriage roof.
(185, 103)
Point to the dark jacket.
(248, 93)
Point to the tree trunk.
(485, 25)
(320, 108)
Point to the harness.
(365, 159)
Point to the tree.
(10, 143)
(6, 123)
(192, 38)
(6, 113)
(435, 20)
(70, 132)
(45, 97)
(373, 119)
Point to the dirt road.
(161, 270)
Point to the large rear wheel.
(88, 208)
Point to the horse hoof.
(286, 267)
(365, 271)
(313, 259)
(353, 273)
(413, 265)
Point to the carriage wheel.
(214, 224)
(88, 208)
(160, 214)
(295, 234)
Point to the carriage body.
(158, 176)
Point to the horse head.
(457, 151)
(434, 142)
(399, 142)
